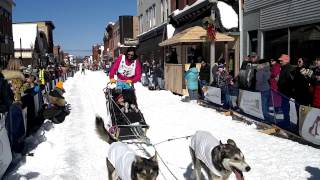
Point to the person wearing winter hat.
(56, 95)
(302, 79)
(60, 85)
(285, 86)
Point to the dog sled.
(126, 122)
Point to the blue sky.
(79, 23)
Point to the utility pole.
(20, 49)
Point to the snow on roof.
(27, 33)
(111, 23)
(177, 11)
(229, 18)
(170, 31)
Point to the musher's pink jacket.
(115, 67)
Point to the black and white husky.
(217, 159)
(123, 162)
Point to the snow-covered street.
(72, 150)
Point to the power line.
(78, 50)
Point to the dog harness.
(121, 157)
(128, 71)
(202, 144)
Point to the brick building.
(6, 39)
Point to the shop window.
(305, 42)
(276, 43)
(253, 41)
(193, 54)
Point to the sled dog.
(217, 159)
(123, 162)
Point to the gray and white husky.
(217, 159)
(123, 162)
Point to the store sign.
(130, 42)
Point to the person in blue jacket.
(191, 76)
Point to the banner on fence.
(310, 124)
(5, 151)
(213, 95)
(250, 103)
(293, 113)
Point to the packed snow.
(72, 150)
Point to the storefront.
(149, 48)
(290, 27)
(190, 41)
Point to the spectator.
(15, 120)
(316, 84)
(247, 74)
(245, 62)
(173, 58)
(301, 82)
(15, 77)
(285, 85)
(275, 99)
(241, 79)
(56, 95)
(222, 82)
(251, 71)
(57, 110)
(191, 76)
(214, 70)
(204, 76)
(262, 85)
(158, 72)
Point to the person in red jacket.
(128, 69)
(275, 100)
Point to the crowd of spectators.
(26, 94)
(278, 81)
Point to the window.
(276, 43)
(166, 10)
(253, 41)
(150, 17)
(154, 15)
(147, 18)
(162, 11)
(304, 42)
(141, 23)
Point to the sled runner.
(126, 120)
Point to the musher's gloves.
(113, 81)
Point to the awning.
(194, 34)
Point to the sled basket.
(126, 124)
